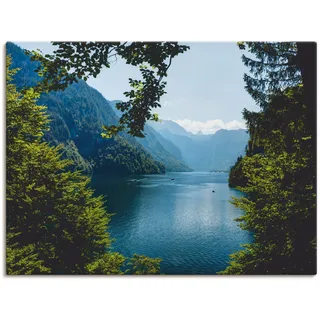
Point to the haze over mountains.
(78, 113)
(205, 152)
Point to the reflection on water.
(181, 221)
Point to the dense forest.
(278, 172)
(161, 149)
(77, 116)
(59, 130)
(54, 223)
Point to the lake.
(191, 228)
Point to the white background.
(164, 297)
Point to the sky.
(205, 87)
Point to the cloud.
(209, 126)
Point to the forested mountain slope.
(160, 148)
(163, 150)
(77, 115)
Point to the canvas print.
(160, 158)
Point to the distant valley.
(202, 152)
(78, 113)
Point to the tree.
(274, 67)
(280, 65)
(236, 176)
(72, 61)
(54, 222)
(280, 206)
(142, 265)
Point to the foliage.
(273, 67)
(115, 263)
(77, 115)
(236, 176)
(160, 148)
(108, 263)
(281, 65)
(116, 156)
(280, 180)
(23, 259)
(72, 61)
(163, 150)
(54, 223)
(142, 265)
(70, 151)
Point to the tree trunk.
(307, 59)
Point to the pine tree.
(280, 206)
(275, 66)
(54, 222)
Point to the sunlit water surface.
(191, 228)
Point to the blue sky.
(205, 88)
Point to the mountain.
(203, 152)
(77, 115)
(160, 148)
(113, 103)
(163, 150)
(228, 145)
(168, 126)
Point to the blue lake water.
(181, 221)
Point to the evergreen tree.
(236, 176)
(77, 115)
(275, 66)
(279, 167)
(54, 223)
